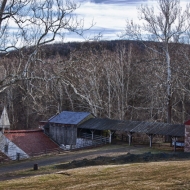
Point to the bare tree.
(166, 24)
(27, 25)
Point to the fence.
(122, 137)
(95, 141)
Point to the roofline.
(23, 131)
(63, 123)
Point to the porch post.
(150, 139)
(92, 131)
(174, 140)
(130, 138)
(110, 134)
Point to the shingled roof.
(31, 141)
(69, 117)
(134, 127)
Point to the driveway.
(69, 156)
(107, 150)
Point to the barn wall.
(63, 134)
(71, 135)
(187, 138)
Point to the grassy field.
(153, 175)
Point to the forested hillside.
(115, 79)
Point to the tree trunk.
(2, 8)
(169, 92)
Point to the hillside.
(115, 79)
(153, 175)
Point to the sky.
(109, 17)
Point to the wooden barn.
(62, 128)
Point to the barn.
(21, 144)
(62, 128)
(151, 129)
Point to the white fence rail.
(95, 139)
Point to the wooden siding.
(63, 134)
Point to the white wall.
(79, 144)
(13, 149)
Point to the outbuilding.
(62, 128)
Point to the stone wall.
(187, 138)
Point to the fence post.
(35, 166)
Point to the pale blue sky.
(109, 15)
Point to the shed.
(130, 127)
(62, 128)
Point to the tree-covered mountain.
(118, 79)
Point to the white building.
(4, 121)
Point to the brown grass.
(154, 175)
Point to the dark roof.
(69, 117)
(106, 124)
(177, 130)
(31, 141)
(134, 126)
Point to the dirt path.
(108, 150)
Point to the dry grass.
(155, 175)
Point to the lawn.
(153, 175)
